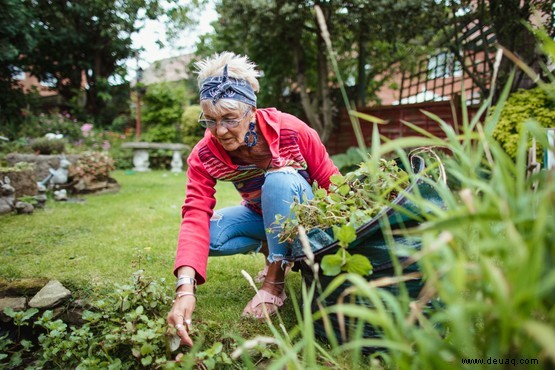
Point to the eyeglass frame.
(227, 123)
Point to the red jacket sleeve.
(194, 234)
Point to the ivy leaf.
(358, 264)
(331, 264)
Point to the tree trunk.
(361, 63)
(311, 115)
(325, 100)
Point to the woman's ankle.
(275, 278)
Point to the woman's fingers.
(180, 317)
(184, 335)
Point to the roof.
(168, 70)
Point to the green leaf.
(215, 349)
(543, 334)
(337, 179)
(146, 360)
(358, 264)
(147, 349)
(344, 189)
(320, 193)
(345, 234)
(8, 311)
(331, 264)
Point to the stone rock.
(23, 181)
(7, 197)
(15, 303)
(51, 295)
(24, 208)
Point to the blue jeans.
(238, 229)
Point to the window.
(443, 65)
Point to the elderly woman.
(271, 157)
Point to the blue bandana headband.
(225, 87)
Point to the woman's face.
(230, 127)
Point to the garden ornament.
(60, 195)
(7, 197)
(58, 176)
(51, 136)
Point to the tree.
(16, 38)
(85, 43)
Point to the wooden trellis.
(450, 72)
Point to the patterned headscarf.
(225, 87)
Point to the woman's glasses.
(227, 123)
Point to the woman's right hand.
(181, 315)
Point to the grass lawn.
(102, 241)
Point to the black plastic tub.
(372, 243)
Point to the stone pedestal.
(140, 154)
(140, 160)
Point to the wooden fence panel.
(343, 135)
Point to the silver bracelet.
(185, 280)
(183, 294)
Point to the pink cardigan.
(292, 143)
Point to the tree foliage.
(283, 38)
(80, 47)
(16, 38)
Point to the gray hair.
(239, 67)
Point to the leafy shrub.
(192, 131)
(162, 134)
(45, 145)
(55, 123)
(163, 106)
(520, 107)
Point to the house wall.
(343, 135)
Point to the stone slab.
(15, 303)
(50, 295)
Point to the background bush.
(43, 145)
(163, 106)
(520, 107)
(191, 130)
